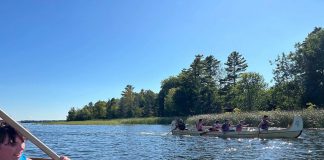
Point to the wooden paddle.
(28, 135)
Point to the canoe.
(293, 131)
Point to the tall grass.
(149, 120)
(312, 118)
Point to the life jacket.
(199, 126)
(23, 157)
(217, 126)
(181, 126)
(264, 125)
(239, 128)
(225, 127)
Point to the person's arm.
(270, 123)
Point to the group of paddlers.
(225, 127)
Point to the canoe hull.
(292, 132)
(244, 134)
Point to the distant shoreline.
(313, 119)
(40, 121)
(148, 120)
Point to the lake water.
(84, 142)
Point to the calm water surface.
(84, 142)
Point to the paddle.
(28, 135)
(204, 132)
(170, 131)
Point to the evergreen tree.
(113, 108)
(235, 65)
(211, 78)
(127, 102)
(72, 114)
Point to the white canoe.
(293, 131)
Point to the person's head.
(200, 120)
(217, 122)
(265, 117)
(226, 121)
(12, 144)
(180, 121)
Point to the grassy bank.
(312, 119)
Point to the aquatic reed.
(312, 118)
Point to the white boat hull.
(293, 132)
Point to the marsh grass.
(149, 120)
(312, 118)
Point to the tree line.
(207, 86)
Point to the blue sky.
(61, 54)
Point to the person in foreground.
(12, 144)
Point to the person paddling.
(226, 126)
(180, 124)
(199, 125)
(216, 126)
(240, 126)
(265, 123)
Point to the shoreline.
(312, 119)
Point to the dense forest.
(210, 86)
